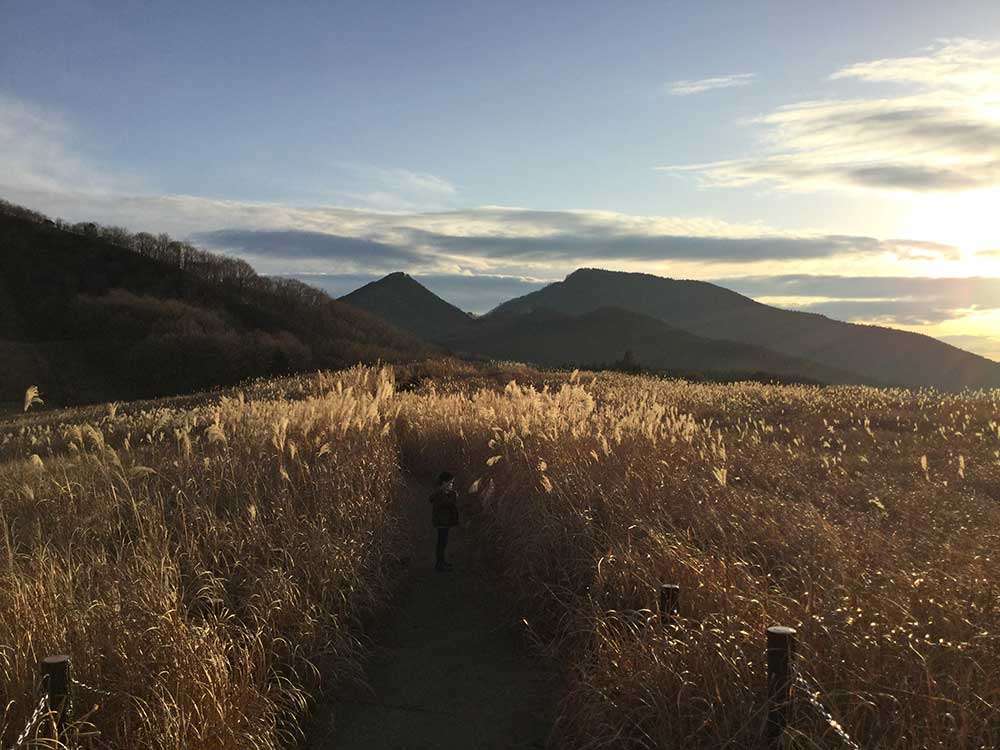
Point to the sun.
(968, 221)
(981, 263)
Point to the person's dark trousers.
(442, 544)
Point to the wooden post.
(670, 595)
(56, 683)
(780, 661)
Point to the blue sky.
(612, 134)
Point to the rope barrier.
(41, 709)
(91, 688)
(813, 693)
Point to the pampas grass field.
(200, 564)
(207, 561)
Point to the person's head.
(446, 479)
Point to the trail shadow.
(448, 671)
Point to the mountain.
(409, 305)
(552, 338)
(878, 354)
(88, 319)
(602, 336)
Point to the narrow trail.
(448, 671)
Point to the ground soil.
(449, 670)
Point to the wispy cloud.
(966, 64)
(612, 243)
(881, 299)
(392, 219)
(277, 250)
(686, 88)
(39, 152)
(394, 189)
(500, 240)
(942, 135)
(44, 159)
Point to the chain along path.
(449, 671)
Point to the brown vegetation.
(199, 559)
(202, 565)
(868, 519)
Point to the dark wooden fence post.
(670, 595)
(780, 661)
(56, 683)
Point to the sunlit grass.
(203, 565)
(204, 559)
(868, 519)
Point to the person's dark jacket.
(444, 507)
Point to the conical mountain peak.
(406, 303)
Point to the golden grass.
(32, 397)
(868, 519)
(204, 559)
(200, 564)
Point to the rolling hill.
(407, 304)
(87, 319)
(876, 353)
(602, 336)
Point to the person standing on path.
(444, 515)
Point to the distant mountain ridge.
(883, 355)
(549, 337)
(401, 300)
(601, 337)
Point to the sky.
(842, 158)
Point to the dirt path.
(448, 671)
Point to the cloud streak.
(484, 239)
(38, 153)
(700, 86)
(645, 247)
(943, 137)
(395, 189)
(889, 300)
(45, 165)
(271, 251)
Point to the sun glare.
(967, 221)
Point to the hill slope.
(880, 354)
(85, 319)
(407, 304)
(602, 336)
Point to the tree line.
(163, 317)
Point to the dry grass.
(868, 519)
(201, 564)
(202, 559)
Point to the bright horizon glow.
(968, 221)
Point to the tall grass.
(203, 565)
(868, 519)
(207, 559)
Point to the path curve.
(448, 672)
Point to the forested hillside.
(90, 313)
